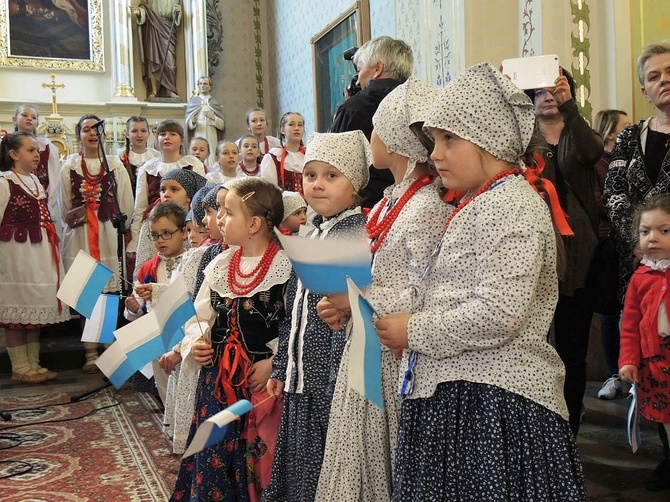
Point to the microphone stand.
(119, 222)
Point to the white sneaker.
(611, 388)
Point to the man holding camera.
(382, 63)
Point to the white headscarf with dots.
(486, 108)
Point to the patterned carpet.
(116, 454)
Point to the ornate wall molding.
(258, 52)
(530, 34)
(446, 39)
(581, 53)
(214, 35)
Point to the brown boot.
(33, 350)
(21, 370)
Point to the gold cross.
(53, 86)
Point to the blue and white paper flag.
(324, 264)
(173, 309)
(213, 430)
(141, 340)
(115, 365)
(365, 355)
(100, 327)
(83, 284)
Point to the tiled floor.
(613, 472)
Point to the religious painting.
(55, 34)
(332, 72)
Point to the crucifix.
(53, 86)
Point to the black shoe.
(660, 478)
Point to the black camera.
(353, 87)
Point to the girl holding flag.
(88, 209)
(304, 371)
(483, 412)
(361, 438)
(27, 236)
(239, 307)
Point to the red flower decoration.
(217, 495)
(198, 479)
(216, 461)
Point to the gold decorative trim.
(124, 91)
(95, 63)
(258, 50)
(581, 51)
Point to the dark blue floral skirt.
(300, 446)
(473, 442)
(218, 472)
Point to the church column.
(195, 31)
(122, 50)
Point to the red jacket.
(639, 325)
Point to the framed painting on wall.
(53, 34)
(332, 73)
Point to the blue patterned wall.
(290, 54)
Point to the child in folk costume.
(136, 151)
(484, 411)
(170, 135)
(645, 327)
(195, 232)
(88, 210)
(183, 371)
(404, 227)
(257, 124)
(283, 165)
(26, 119)
(239, 308)
(309, 353)
(199, 148)
(30, 262)
(177, 185)
(210, 207)
(167, 230)
(295, 213)
(226, 167)
(249, 154)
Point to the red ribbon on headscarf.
(532, 174)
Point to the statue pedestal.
(161, 99)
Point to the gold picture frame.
(67, 35)
(332, 73)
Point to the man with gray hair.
(383, 63)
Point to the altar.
(105, 79)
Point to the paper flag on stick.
(83, 284)
(100, 327)
(213, 430)
(141, 340)
(633, 425)
(115, 365)
(324, 264)
(365, 353)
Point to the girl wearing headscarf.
(404, 228)
(305, 367)
(483, 413)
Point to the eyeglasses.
(166, 235)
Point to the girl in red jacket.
(645, 330)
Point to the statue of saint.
(204, 117)
(158, 20)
